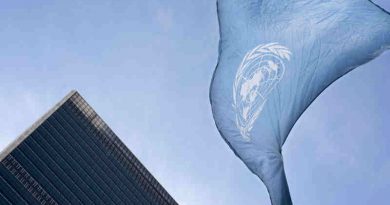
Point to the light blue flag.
(275, 58)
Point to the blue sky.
(145, 66)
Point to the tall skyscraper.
(71, 156)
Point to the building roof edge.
(8, 149)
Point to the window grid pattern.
(28, 181)
(42, 168)
(119, 151)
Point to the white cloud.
(164, 18)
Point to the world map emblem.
(259, 72)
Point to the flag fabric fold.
(275, 58)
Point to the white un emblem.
(260, 71)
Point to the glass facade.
(71, 156)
